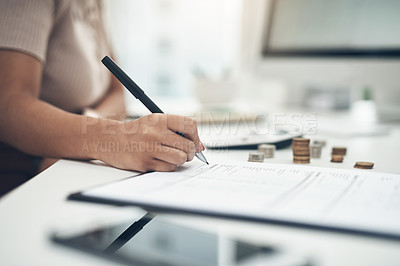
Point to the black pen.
(138, 93)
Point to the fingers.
(178, 142)
(171, 155)
(167, 160)
(161, 166)
(186, 126)
(158, 146)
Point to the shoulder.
(25, 7)
(25, 25)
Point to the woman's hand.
(148, 144)
(38, 128)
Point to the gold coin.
(301, 140)
(336, 158)
(301, 161)
(301, 157)
(364, 165)
(305, 153)
(300, 148)
(294, 143)
(339, 150)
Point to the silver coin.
(320, 142)
(315, 150)
(267, 149)
(256, 157)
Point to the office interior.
(248, 46)
(326, 70)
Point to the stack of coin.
(315, 150)
(301, 150)
(256, 157)
(338, 154)
(364, 165)
(339, 151)
(320, 142)
(267, 149)
(337, 158)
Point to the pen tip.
(207, 163)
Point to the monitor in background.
(329, 45)
(340, 28)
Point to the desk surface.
(32, 211)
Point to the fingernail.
(202, 146)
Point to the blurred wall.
(161, 43)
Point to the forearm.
(146, 144)
(38, 128)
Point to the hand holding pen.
(172, 132)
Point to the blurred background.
(260, 56)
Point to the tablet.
(153, 240)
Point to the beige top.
(68, 37)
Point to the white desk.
(29, 213)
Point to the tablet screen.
(154, 241)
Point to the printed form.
(339, 198)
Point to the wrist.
(101, 137)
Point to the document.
(334, 199)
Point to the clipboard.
(389, 229)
